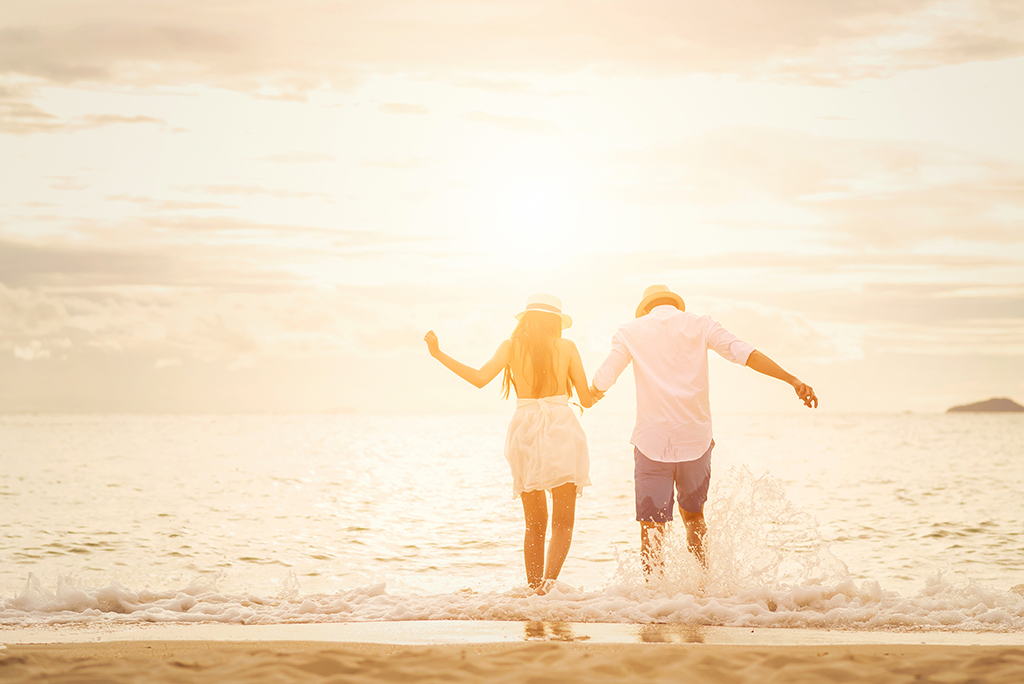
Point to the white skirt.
(545, 446)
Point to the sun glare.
(528, 212)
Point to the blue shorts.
(654, 482)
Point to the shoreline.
(465, 632)
(546, 662)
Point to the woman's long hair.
(535, 338)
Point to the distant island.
(991, 406)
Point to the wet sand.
(533, 653)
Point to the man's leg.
(652, 481)
(696, 528)
(535, 510)
(692, 481)
(652, 538)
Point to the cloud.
(262, 46)
(402, 108)
(27, 314)
(497, 85)
(229, 225)
(31, 352)
(93, 44)
(181, 251)
(859, 192)
(297, 157)
(970, 306)
(928, 318)
(995, 338)
(153, 204)
(19, 116)
(67, 183)
(253, 190)
(814, 263)
(786, 333)
(516, 124)
(99, 120)
(407, 163)
(233, 328)
(28, 264)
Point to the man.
(672, 438)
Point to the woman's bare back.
(522, 372)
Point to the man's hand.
(431, 339)
(806, 394)
(762, 364)
(598, 394)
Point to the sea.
(901, 522)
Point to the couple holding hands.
(672, 441)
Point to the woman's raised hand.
(431, 339)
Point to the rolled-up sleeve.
(612, 368)
(727, 345)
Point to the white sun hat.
(545, 303)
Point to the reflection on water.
(550, 631)
(671, 634)
(658, 633)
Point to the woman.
(545, 446)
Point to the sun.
(528, 210)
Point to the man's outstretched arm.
(762, 364)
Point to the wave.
(941, 605)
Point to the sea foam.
(942, 605)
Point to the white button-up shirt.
(669, 351)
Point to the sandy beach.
(515, 652)
(537, 663)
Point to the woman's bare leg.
(535, 510)
(563, 518)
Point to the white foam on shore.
(942, 605)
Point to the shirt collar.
(663, 310)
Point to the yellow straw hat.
(658, 292)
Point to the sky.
(230, 206)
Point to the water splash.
(756, 539)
